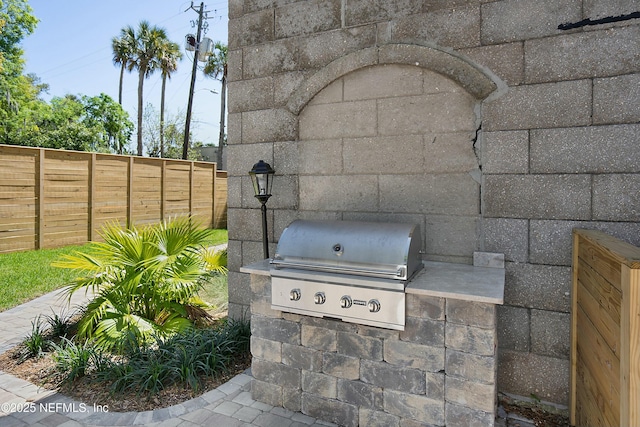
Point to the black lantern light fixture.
(262, 179)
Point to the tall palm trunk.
(140, 85)
(164, 85)
(124, 65)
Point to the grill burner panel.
(353, 271)
(373, 307)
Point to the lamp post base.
(265, 240)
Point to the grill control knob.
(345, 301)
(373, 305)
(319, 298)
(294, 295)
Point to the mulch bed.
(41, 372)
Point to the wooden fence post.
(630, 348)
(91, 201)
(40, 195)
(163, 189)
(213, 195)
(130, 195)
(191, 170)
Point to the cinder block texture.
(507, 236)
(598, 53)
(521, 373)
(512, 20)
(514, 328)
(471, 313)
(538, 286)
(360, 394)
(556, 196)
(551, 240)
(470, 394)
(482, 121)
(589, 149)
(617, 99)
(615, 197)
(550, 333)
(456, 27)
(307, 18)
(360, 142)
(505, 152)
(545, 105)
(320, 384)
(505, 60)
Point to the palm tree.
(168, 63)
(216, 67)
(145, 281)
(149, 41)
(123, 48)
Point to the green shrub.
(144, 281)
(185, 358)
(35, 344)
(60, 325)
(72, 359)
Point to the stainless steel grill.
(353, 271)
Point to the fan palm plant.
(144, 282)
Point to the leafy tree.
(216, 67)
(168, 63)
(144, 281)
(65, 128)
(16, 22)
(73, 123)
(173, 132)
(55, 125)
(111, 120)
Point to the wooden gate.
(605, 331)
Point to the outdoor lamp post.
(262, 179)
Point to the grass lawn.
(27, 275)
(216, 293)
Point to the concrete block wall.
(559, 120)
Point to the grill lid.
(371, 249)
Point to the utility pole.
(194, 69)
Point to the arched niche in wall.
(391, 134)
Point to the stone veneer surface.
(441, 370)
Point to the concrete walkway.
(25, 404)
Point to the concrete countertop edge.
(490, 290)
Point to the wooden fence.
(605, 331)
(52, 198)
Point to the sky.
(70, 50)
